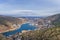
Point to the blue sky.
(29, 7)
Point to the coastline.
(12, 29)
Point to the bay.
(23, 27)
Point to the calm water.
(23, 27)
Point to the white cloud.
(14, 11)
(17, 11)
(8, 9)
(29, 12)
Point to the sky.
(29, 7)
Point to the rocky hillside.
(10, 19)
(55, 19)
(49, 34)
